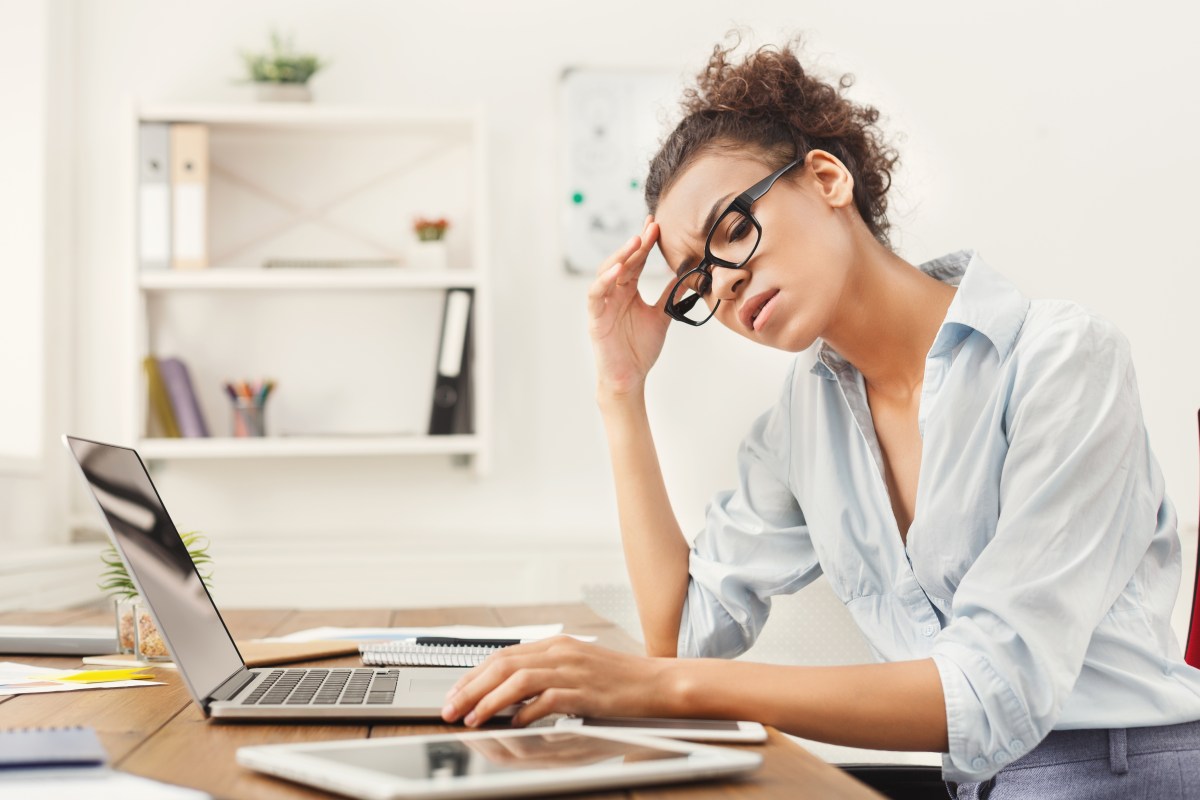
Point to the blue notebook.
(50, 747)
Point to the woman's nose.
(727, 282)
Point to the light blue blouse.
(1044, 559)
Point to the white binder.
(154, 195)
(189, 196)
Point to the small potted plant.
(136, 631)
(430, 250)
(282, 74)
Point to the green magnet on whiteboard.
(577, 198)
(633, 184)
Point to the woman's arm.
(897, 706)
(656, 553)
(627, 336)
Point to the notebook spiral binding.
(408, 654)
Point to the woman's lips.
(759, 309)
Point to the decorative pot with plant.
(136, 631)
(430, 252)
(281, 73)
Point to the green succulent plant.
(115, 580)
(281, 64)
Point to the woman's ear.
(834, 182)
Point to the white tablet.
(504, 763)
(696, 730)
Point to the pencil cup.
(249, 419)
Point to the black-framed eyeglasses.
(731, 242)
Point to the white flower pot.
(428, 254)
(283, 92)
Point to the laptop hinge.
(232, 686)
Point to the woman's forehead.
(684, 207)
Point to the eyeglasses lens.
(734, 238)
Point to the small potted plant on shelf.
(430, 250)
(136, 632)
(282, 74)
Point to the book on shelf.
(160, 418)
(184, 403)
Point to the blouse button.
(979, 763)
(1016, 744)
(929, 630)
(1002, 757)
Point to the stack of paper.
(27, 679)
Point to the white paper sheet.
(93, 784)
(15, 679)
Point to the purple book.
(183, 399)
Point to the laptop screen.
(160, 565)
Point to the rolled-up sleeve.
(754, 545)
(1078, 508)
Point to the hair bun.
(768, 100)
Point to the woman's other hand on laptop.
(563, 676)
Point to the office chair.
(1192, 653)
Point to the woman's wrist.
(618, 400)
(673, 687)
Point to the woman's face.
(788, 292)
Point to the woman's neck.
(886, 321)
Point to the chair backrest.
(1192, 653)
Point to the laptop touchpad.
(439, 685)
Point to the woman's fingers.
(637, 260)
(521, 684)
(494, 670)
(621, 254)
(551, 701)
(600, 288)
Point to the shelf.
(272, 279)
(304, 446)
(300, 115)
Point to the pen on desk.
(467, 642)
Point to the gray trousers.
(1160, 763)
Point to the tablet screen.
(485, 755)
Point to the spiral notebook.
(46, 747)
(431, 651)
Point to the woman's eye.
(738, 229)
(700, 283)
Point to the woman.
(968, 468)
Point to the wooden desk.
(159, 732)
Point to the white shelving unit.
(352, 348)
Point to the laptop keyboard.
(323, 687)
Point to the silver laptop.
(196, 635)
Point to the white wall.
(35, 230)
(1055, 137)
(23, 48)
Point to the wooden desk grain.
(158, 732)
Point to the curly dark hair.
(770, 103)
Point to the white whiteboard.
(612, 121)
